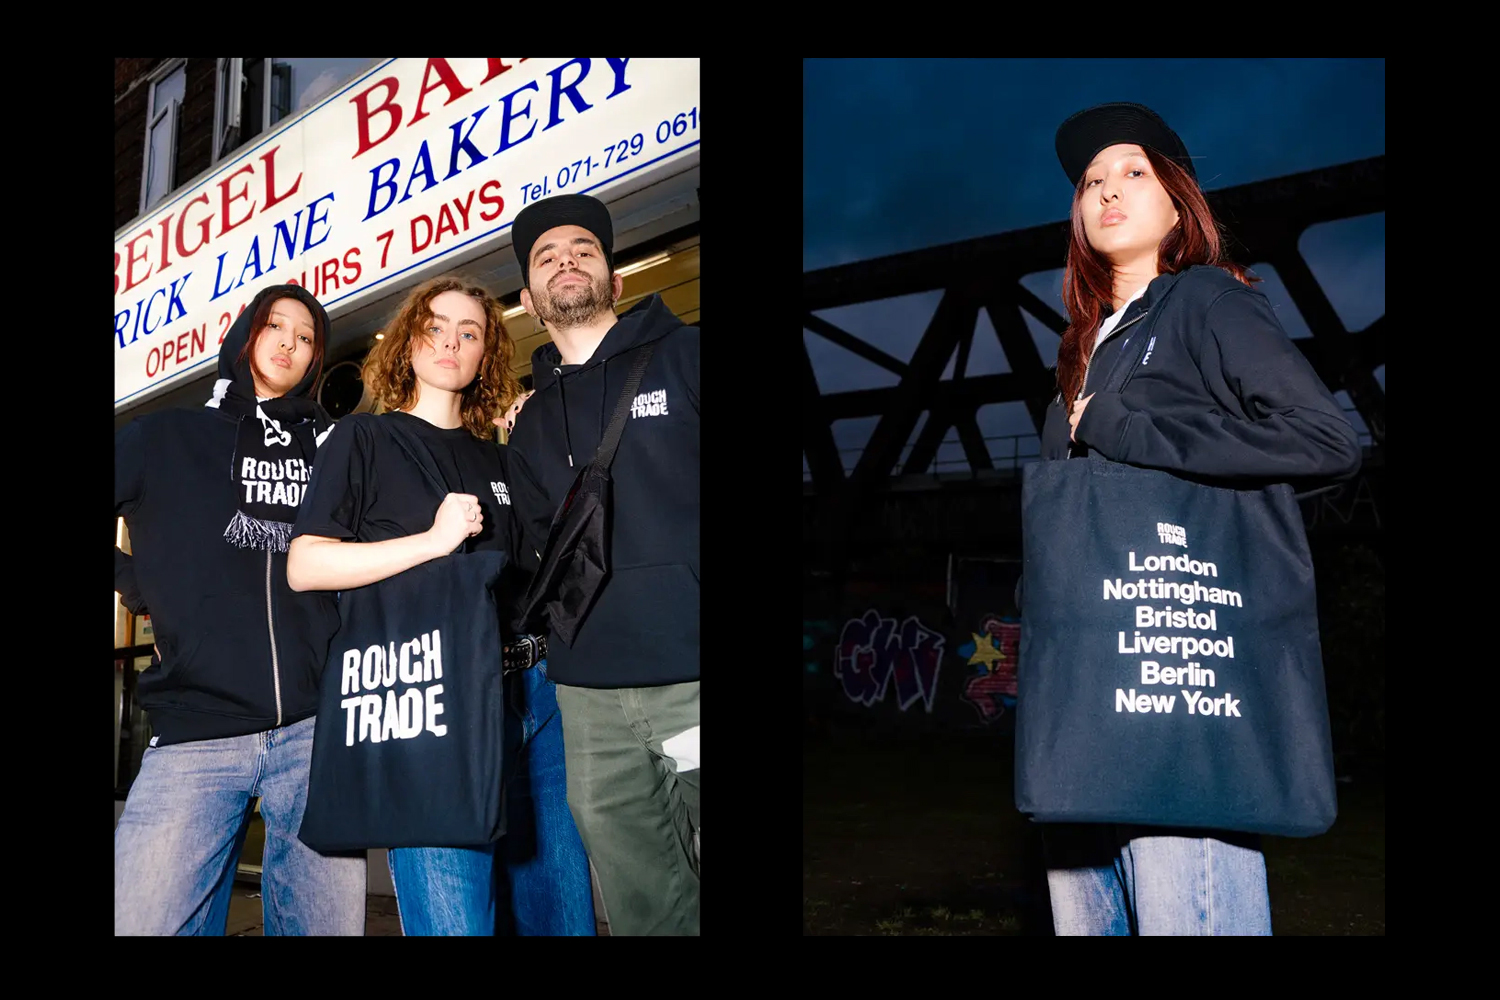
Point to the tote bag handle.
(422, 458)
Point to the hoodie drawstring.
(655, 316)
(563, 399)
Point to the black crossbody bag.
(575, 563)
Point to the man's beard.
(574, 304)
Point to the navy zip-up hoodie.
(1223, 396)
(216, 609)
(643, 629)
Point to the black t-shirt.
(365, 488)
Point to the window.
(163, 114)
(227, 110)
(242, 111)
(256, 94)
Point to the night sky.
(905, 154)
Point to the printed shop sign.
(417, 165)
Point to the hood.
(239, 333)
(647, 320)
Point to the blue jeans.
(1120, 880)
(179, 839)
(544, 878)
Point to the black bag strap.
(604, 455)
(422, 459)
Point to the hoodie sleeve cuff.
(1103, 425)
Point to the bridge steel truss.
(1264, 221)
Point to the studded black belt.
(524, 652)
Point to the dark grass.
(919, 836)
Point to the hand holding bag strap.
(527, 650)
(604, 456)
(1123, 363)
(422, 459)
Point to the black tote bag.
(575, 561)
(1170, 670)
(408, 745)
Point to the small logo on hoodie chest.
(501, 493)
(650, 404)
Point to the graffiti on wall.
(875, 653)
(992, 652)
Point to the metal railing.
(1015, 459)
(941, 466)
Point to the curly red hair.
(392, 382)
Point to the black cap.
(561, 210)
(1080, 138)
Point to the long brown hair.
(262, 319)
(1088, 280)
(392, 382)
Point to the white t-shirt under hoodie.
(1108, 326)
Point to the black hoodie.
(643, 630)
(240, 651)
(1221, 394)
